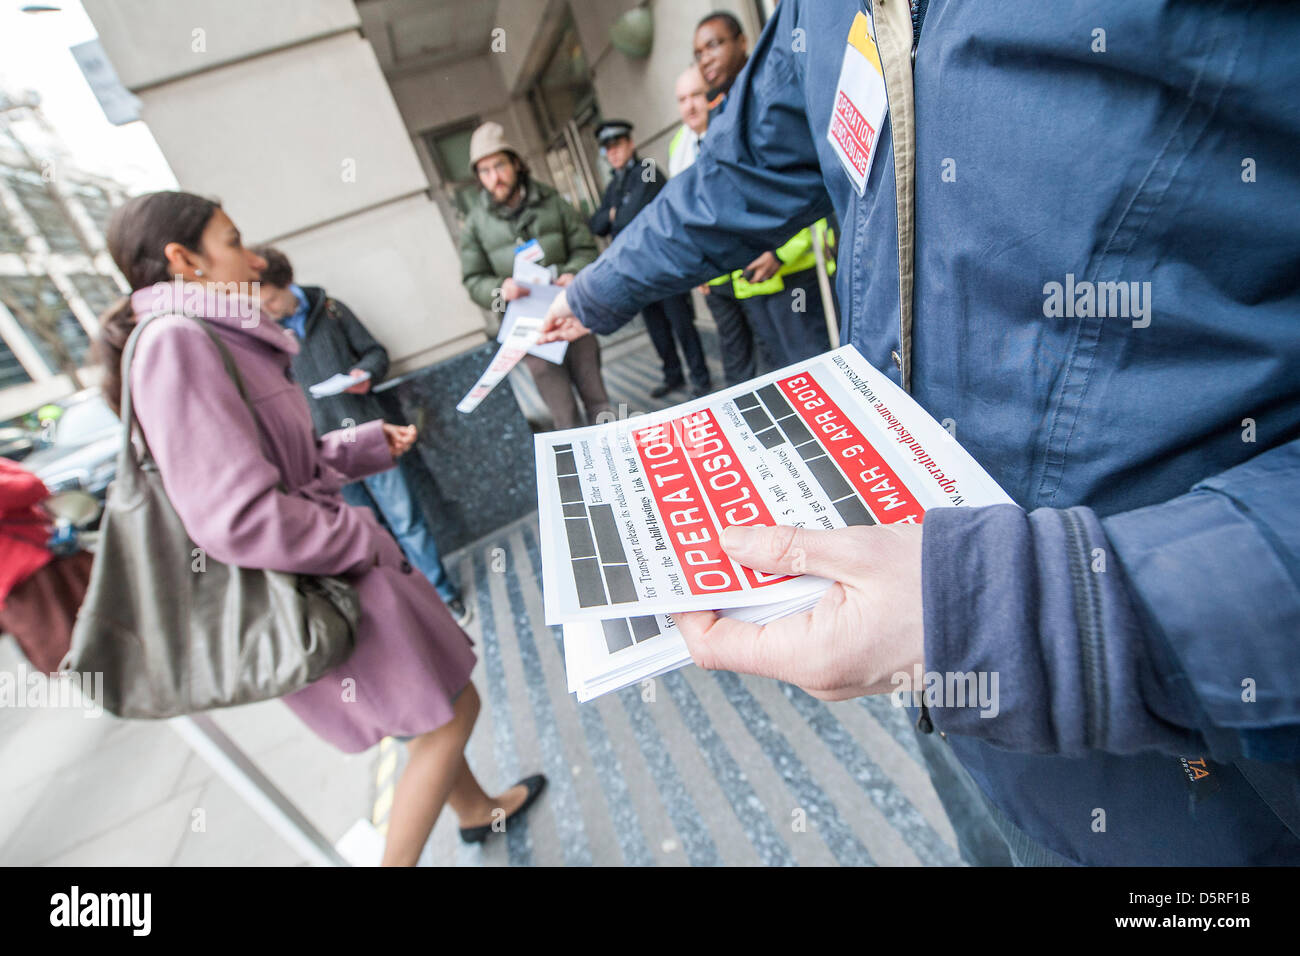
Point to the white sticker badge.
(860, 103)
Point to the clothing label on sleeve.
(860, 104)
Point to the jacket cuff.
(359, 451)
(595, 298)
(376, 365)
(1204, 565)
(1031, 612)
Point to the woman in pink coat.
(409, 674)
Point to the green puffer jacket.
(487, 245)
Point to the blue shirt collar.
(298, 321)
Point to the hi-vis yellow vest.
(796, 255)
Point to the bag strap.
(127, 405)
(128, 409)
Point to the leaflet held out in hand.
(337, 384)
(523, 336)
(631, 512)
(534, 306)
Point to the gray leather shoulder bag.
(173, 631)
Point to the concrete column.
(281, 112)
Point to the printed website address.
(1203, 923)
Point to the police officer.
(632, 186)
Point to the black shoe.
(699, 391)
(535, 784)
(659, 391)
(460, 612)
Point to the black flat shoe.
(535, 784)
(659, 391)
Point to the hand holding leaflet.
(867, 629)
(534, 306)
(337, 384)
(632, 516)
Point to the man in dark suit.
(634, 184)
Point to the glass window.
(34, 194)
(99, 291)
(7, 139)
(11, 370)
(40, 308)
(564, 83)
(563, 102)
(452, 152)
(11, 240)
(97, 203)
(449, 148)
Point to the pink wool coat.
(411, 657)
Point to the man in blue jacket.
(1072, 233)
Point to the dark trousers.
(674, 317)
(985, 837)
(791, 324)
(581, 370)
(735, 338)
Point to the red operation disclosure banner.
(882, 491)
(852, 131)
(725, 481)
(673, 455)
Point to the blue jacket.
(1143, 609)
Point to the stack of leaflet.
(631, 512)
(602, 656)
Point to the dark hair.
(521, 165)
(137, 234)
(729, 19)
(278, 271)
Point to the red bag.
(42, 608)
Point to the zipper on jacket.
(1087, 616)
(918, 9)
(923, 722)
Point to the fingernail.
(737, 537)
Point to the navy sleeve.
(755, 182)
(1171, 628)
